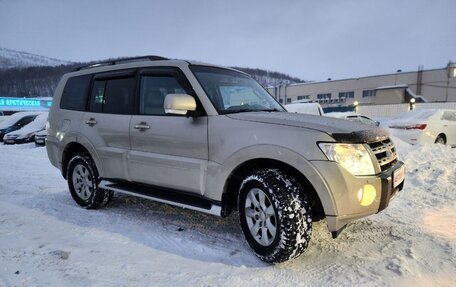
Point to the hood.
(341, 130)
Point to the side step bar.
(184, 200)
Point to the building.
(436, 85)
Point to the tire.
(440, 139)
(83, 180)
(275, 215)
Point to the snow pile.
(47, 240)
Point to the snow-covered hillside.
(47, 240)
(15, 59)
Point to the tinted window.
(153, 92)
(75, 93)
(25, 121)
(97, 98)
(113, 96)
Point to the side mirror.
(179, 104)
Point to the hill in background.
(16, 59)
(28, 75)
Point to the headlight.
(353, 157)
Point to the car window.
(449, 116)
(153, 91)
(25, 120)
(366, 120)
(233, 95)
(234, 92)
(74, 96)
(113, 96)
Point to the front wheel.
(275, 215)
(83, 180)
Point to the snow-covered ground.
(47, 240)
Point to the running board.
(184, 200)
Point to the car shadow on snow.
(203, 237)
(160, 226)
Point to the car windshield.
(234, 92)
(39, 122)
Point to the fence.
(386, 111)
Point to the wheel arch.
(232, 185)
(443, 135)
(73, 148)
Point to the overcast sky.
(313, 40)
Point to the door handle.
(91, 122)
(142, 126)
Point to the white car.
(426, 126)
(27, 133)
(305, 108)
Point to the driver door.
(167, 150)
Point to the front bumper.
(40, 141)
(9, 140)
(343, 188)
(388, 189)
(23, 140)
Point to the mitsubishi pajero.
(213, 140)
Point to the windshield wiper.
(269, 110)
(234, 111)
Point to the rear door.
(106, 124)
(167, 150)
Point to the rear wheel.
(441, 139)
(274, 215)
(83, 180)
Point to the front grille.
(385, 152)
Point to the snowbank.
(47, 240)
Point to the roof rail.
(120, 61)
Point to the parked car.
(27, 133)
(40, 138)
(213, 140)
(354, 117)
(16, 121)
(305, 108)
(426, 126)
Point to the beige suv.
(213, 140)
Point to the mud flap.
(337, 233)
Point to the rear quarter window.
(75, 93)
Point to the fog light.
(366, 195)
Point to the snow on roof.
(392, 87)
(340, 114)
(305, 108)
(10, 120)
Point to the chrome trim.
(215, 209)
